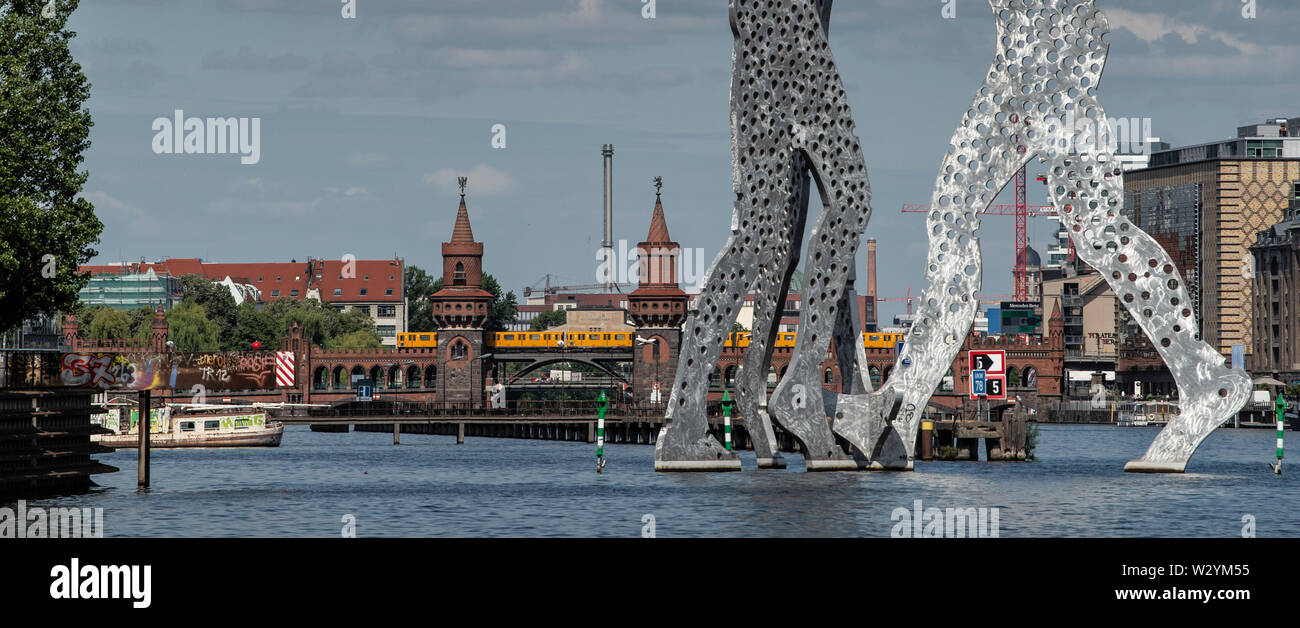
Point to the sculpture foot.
(1147, 466)
(704, 454)
(1199, 415)
(807, 423)
(866, 422)
(776, 461)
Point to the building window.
(292, 293)
(386, 311)
(363, 292)
(277, 277)
(388, 292)
(275, 293)
(367, 277)
(458, 278)
(386, 331)
(338, 292)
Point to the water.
(489, 487)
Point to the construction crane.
(1022, 211)
(548, 289)
(908, 298)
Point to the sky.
(366, 122)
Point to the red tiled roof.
(280, 279)
(462, 232)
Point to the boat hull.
(269, 437)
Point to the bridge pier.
(397, 431)
(460, 433)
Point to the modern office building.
(1206, 204)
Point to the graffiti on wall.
(241, 370)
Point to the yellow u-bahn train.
(611, 340)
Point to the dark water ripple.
(429, 486)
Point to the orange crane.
(1022, 211)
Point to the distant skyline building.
(1205, 204)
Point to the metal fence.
(30, 369)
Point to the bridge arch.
(537, 364)
(339, 378)
(356, 370)
(413, 379)
(320, 378)
(729, 378)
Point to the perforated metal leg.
(1049, 61)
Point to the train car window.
(534, 337)
(424, 337)
(510, 336)
(618, 337)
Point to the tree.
(191, 329)
(252, 324)
(217, 301)
(360, 339)
(109, 324)
(548, 319)
(737, 327)
(419, 285)
(504, 307)
(46, 228)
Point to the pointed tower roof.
(462, 232)
(658, 226)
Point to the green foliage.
(946, 452)
(504, 306)
(360, 339)
(217, 301)
(737, 328)
(548, 319)
(44, 131)
(107, 323)
(252, 324)
(419, 285)
(191, 330)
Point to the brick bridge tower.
(460, 312)
(658, 310)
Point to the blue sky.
(366, 122)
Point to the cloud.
(114, 211)
(484, 180)
(1152, 27)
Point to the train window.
(875, 339)
(510, 336)
(606, 336)
(187, 426)
(424, 336)
(534, 337)
(212, 425)
(618, 337)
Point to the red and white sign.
(991, 362)
(284, 368)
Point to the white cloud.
(114, 211)
(484, 180)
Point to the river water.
(490, 487)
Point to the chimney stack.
(871, 279)
(607, 245)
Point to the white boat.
(205, 428)
(1147, 413)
